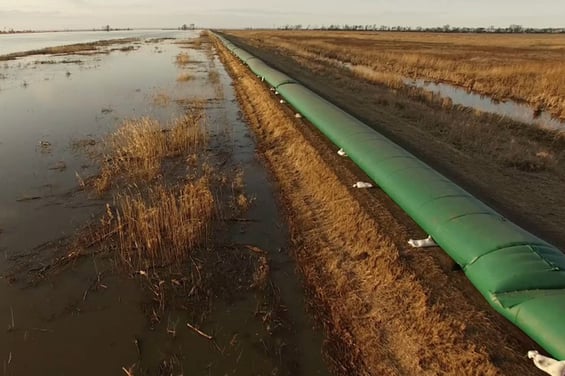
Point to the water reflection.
(509, 109)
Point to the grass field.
(527, 68)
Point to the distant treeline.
(12, 31)
(438, 29)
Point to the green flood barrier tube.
(520, 275)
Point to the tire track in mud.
(387, 310)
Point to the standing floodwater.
(85, 313)
(509, 109)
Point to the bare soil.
(387, 309)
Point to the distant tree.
(515, 28)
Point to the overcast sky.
(59, 14)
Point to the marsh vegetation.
(523, 67)
(180, 257)
(76, 49)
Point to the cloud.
(51, 14)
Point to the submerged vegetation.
(185, 76)
(79, 48)
(182, 58)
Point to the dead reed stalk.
(160, 226)
(137, 149)
(182, 58)
(185, 76)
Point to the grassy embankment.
(382, 313)
(526, 68)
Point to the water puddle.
(459, 96)
(510, 109)
(91, 317)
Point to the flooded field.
(10, 43)
(75, 301)
(508, 109)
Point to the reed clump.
(185, 76)
(161, 99)
(187, 134)
(136, 150)
(182, 58)
(214, 77)
(159, 226)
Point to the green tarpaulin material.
(519, 274)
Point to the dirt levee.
(388, 309)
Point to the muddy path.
(517, 169)
(388, 309)
(78, 297)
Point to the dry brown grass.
(134, 150)
(137, 149)
(159, 226)
(386, 317)
(185, 76)
(182, 58)
(214, 77)
(158, 216)
(528, 68)
(243, 201)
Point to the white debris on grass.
(422, 243)
(548, 365)
(342, 153)
(362, 184)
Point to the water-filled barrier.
(519, 274)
